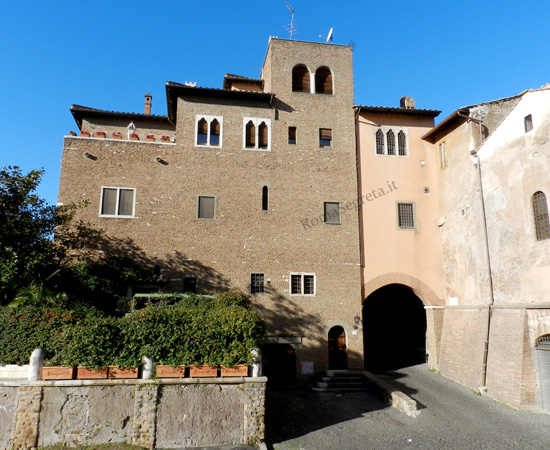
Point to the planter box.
(57, 373)
(164, 371)
(240, 370)
(100, 136)
(150, 139)
(116, 372)
(134, 138)
(82, 373)
(203, 371)
(84, 135)
(117, 137)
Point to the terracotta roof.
(175, 90)
(228, 77)
(401, 111)
(79, 112)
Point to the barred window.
(405, 215)
(540, 216)
(380, 143)
(257, 283)
(402, 143)
(391, 143)
(302, 284)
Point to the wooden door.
(337, 349)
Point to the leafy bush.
(194, 330)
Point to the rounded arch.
(301, 79)
(323, 80)
(420, 289)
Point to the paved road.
(453, 418)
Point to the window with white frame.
(208, 131)
(405, 216)
(117, 202)
(257, 283)
(257, 133)
(302, 284)
(391, 141)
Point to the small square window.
(190, 285)
(257, 283)
(405, 215)
(528, 122)
(332, 213)
(325, 137)
(302, 284)
(292, 135)
(206, 207)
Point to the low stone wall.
(149, 413)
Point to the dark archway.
(279, 364)
(394, 328)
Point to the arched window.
(401, 144)
(250, 135)
(262, 135)
(323, 81)
(215, 132)
(391, 143)
(540, 216)
(300, 79)
(380, 143)
(202, 132)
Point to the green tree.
(28, 255)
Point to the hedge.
(222, 330)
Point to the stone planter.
(240, 370)
(83, 373)
(117, 372)
(57, 373)
(164, 371)
(203, 371)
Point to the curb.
(397, 399)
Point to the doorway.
(337, 349)
(279, 364)
(394, 328)
(543, 357)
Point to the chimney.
(406, 102)
(148, 99)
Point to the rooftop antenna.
(329, 36)
(290, 28)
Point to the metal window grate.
(380, 142)
(391, 143)
(405, 215)
(540, 216)
(543, 342)
(402, 143)
(309, 284)
(296, 284)
(257, 283)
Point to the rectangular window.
(528, 122)
(405, 215)
(302, 284)
(206, 207)
(256, 134)
(117, 202)
(208, 131)
(332, 213)
(190, 285)
(325, 137)
(292, 135)
(257, 283)
(442, 156)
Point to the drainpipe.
(490, 273)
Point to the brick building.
(364, 235)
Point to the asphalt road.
(453, 417)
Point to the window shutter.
(332, 213)
(300, 79)
(325, 134)
(262, 135)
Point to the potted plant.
(57, 373)
(84, 133)
(100, 134)
(165, 138)
(117, 135)
(150, 138)
(240, 370)
(166, 371)
(86, 373)
(122, 372)
(134, 137)
(203, 371)
(72, 133)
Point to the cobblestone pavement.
(453, 417)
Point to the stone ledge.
(397, 399)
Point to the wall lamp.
(356, 325)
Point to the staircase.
(340, 381)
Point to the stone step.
(340, 381)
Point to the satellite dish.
(329, 37)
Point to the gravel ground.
(453, 417)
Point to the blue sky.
(108, 54)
